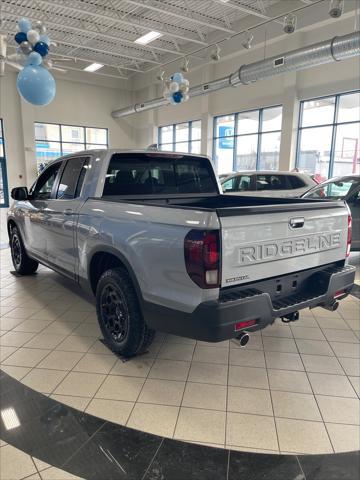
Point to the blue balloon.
(34, 58)
(20, 37)
(42, 48)
(178, 77)
(36, 85)
(24, 25)
(45, 39)
(177, 96)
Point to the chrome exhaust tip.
(243, 338)
(334, 306)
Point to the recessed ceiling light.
(93, 67)
(148, 37)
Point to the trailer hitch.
(291, 317)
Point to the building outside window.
(54, 140)
(4, 192)
(180, 137)
(247, 140)
(329, 135)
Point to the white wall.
(75, 103)
(287, 89)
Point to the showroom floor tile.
(294, 388)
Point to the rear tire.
(119, 314)
(23, 264)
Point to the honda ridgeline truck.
(151, 235)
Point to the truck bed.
(226, 205)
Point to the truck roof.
(105, 151)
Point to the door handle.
(68, 211)
(296, 222)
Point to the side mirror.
(19, 193)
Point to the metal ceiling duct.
(333, 50)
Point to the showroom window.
(54, 140)
(180, 137)
(4, 192)
(329, 135)
(248, 140)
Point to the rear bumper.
(214, 321)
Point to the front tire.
(119, 314)
(23, 264)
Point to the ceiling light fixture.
(148, 37)
(290, 23)
(185, 65)
(336, 8)
(215, 53)
(247, 40)
(93, 67)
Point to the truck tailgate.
(270, 241)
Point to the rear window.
(141, 174)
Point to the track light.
(290, 23)
(336, 8)
(185, 66)
(247, 39)
(215, 53)
(160, 76)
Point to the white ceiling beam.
(247, 10)
(109, 36)
(187, 18)
(119, 21)
(67, 67)
(84, 59)
(148, 49)
(98, 50)
(106, 52)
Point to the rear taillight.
(202, 257)
(349, 235)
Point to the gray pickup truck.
(151, 235)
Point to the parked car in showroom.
(267, 183)
(342, 188)
(153, 238)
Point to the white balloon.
(174, 87)
(186, 82)
(184, 88)
(33, 36)
(186, 97)
(40, 27)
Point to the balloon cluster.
(176, 89)
(34, 83)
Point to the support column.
(289, 124)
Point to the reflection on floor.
(76, 443)
(294, 389)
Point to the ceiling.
(104, 31)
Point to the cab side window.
(72, 178)
(44, 185)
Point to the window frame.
(334, 125)
(259, 132)
(4, 169)
(174, 142)
(55, 184)
(61, 142)
(77, 193)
